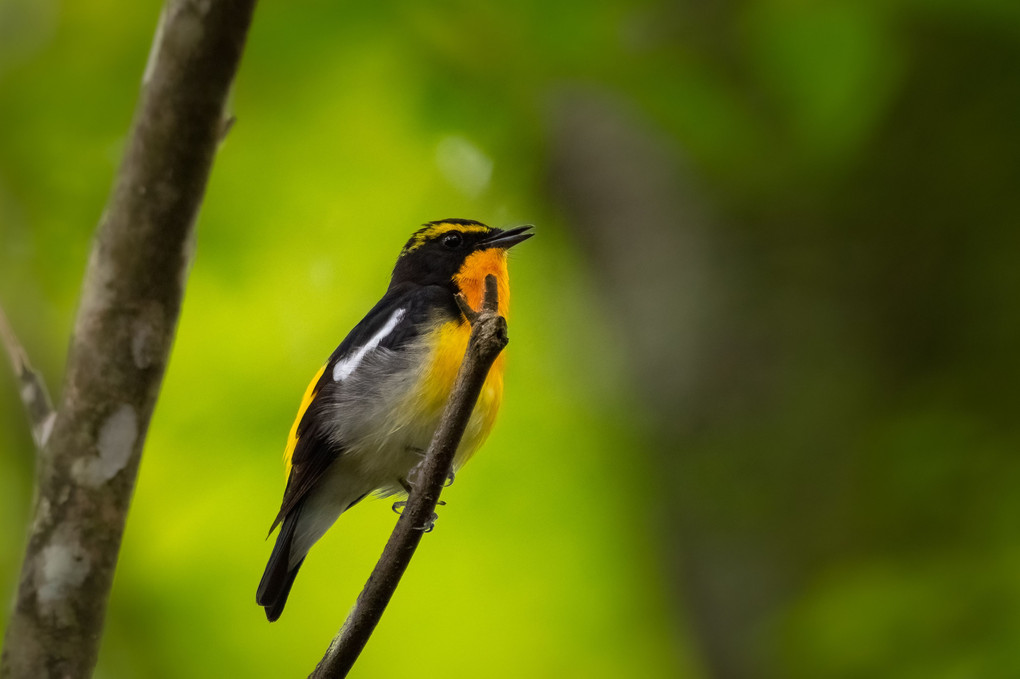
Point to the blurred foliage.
(863, 158)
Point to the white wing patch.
(344, 367)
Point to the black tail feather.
(275, 608)
(278, 578)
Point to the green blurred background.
(761, 412)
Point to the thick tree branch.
(130, 302)
(488, 338)
(34, 394)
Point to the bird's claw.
(398, 509)
(430, 524)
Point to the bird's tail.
(278, 577)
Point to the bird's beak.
(507, 239)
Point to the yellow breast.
(449, 343)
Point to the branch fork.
(31, 387)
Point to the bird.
(368, 416)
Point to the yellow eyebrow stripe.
(306, 400)
(430, 231)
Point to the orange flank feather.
(305, 402)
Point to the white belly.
(385, 418)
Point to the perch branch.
(127, 316)
(488, 338)
(34, 394)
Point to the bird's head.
(453, 252)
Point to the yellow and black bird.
(369, 414)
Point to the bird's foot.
(398, 506)
(408, 482)
(430, 524)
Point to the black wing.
(315, 449)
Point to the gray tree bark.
(127, 316)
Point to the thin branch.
(127, 317)
(34, 394)
(488, 338)
(470, 314)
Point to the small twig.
(34, 394)
(488, 338)
(470, 314)
(490, 302)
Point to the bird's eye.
(452, 240)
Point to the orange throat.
(452, 343)
(470, 279)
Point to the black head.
(437, 251)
